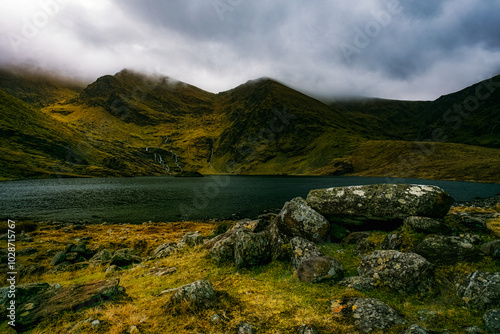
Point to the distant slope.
(130, 124)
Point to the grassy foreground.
(268, 297)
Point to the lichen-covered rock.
(318, 269)
(492, 321)
(199, 294)
(280, 243)
(58, 258)
(404, 272)
(492, 249)
(474, 330)
(223, 250)
(302, 249)
(380, 202)
(480, 290)
(165, 250)
(297, 219)
(368, 314)
(360, 283)
(307, 329)
(447, 250)
(393, 241)
(125, 257)
(191, 239)
(427, 225)
(354, 237)
(48, 302)
(416, 329)
(103, 256)
(245, 328)
(251, 249)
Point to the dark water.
(141, 199)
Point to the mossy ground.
(268, 297)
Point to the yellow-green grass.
(269, 297)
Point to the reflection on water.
(167, 198)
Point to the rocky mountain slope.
(132, 124)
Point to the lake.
(166, 198)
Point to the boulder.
(492, 321)
(302, 249)
(199, 294)
(426, 225)
(386, 203)
(307, 329)
(492, 249)
(191, 239)
(447, 250)
(297, 219)
(393, 241)
(165, 250)
(480, 290)
(103, 256)
(368, 314)
(360, 283)
(125, 257)
(251, 249)
(416, 329)
(53, 300)
(280, 243)
(318, 269)
(223, 250)
(404, 272)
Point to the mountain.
(131, 124)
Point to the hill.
(131, 124)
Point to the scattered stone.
(124, 257)
(297, 219)
(191, 239)
(427, 225)
(447, 250)
(95, 324)
(307, 329)
(354, 237)
(215, 319)
(58, 258)
(492, 249)
(245, 328)
(364, 246)
(223, 250)
(404, 272)
(368, 314)
(416, 329)
(199, 294)
(112, 269)
(165, 250)
(480, 290)
(474, 330)
(318, 269)
(492, 321)
(302, 249)
(103, 256)
(45, 301)
(356, 205)
(251, 249)
(162, 271)
(360, 283)
(134, 330)
(393, 241)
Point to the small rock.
(416, 329)
(492, 321)
(364, 246)
(102, 256)
(58, 258)
(112, 269)
(245, 328)
(447, 250)
(364, 284)
(165, 250)
(301, 249)
(405, 272)
(480, 290)
(125, 257)
(192, 239)
(492, 249)
(426, 225)
(474, 330)
(307, 329)
(318, 269)
(215, 319)
(134, 330)
(95, 324)
(198, 294)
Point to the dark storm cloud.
(397, 49)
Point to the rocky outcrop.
(480, 290)
(302, 249)
(368, 314)
(319, 269)
(427, 225)
(41, 300)
(356, 205)
(199, 294)
(297, 219)
(447, 250)
(492, 321)
(404, 272)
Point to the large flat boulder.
(356, 205)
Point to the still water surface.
(141, 199)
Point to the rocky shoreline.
(364, 247)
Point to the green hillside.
(130, 124)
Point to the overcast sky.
(407, 49)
